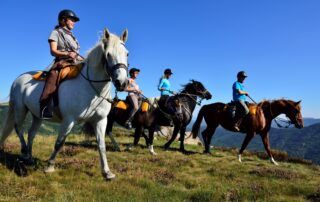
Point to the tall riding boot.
(48, 90)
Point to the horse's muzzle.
(119, 86)
(208, 96)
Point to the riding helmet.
(68, 14)
(168, 71)
(133, 70)
(242, 74)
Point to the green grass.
(169, 176)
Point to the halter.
(195, 100)
(108, 71)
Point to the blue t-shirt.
(236, 95)
(164, 83)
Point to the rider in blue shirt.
(239, 97)
(164, 84)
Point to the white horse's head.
(116, 56)
(109, 58)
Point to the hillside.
(303, 143)
(169, 176)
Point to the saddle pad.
(68, 72)
(253, 109)
(122, 105)
(38, 76)
(144, 106)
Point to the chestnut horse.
(258, 121)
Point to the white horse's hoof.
(239, 158)
(109, 175)
(49, 169)
(153, 153)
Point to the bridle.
(108, 72)
(202, 96)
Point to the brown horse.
(258, 121)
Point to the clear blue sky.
(276, 42)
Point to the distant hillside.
(47, 128)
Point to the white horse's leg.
(100, 135)
(20, 115)
(239, 158)
(65, 129)
(36, 123)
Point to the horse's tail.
(8, 125)
(197, 123)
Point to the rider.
(239, 97)
(133, 95)
(65, 47)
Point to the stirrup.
(128, 125)
(45, 113)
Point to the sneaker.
(46, 113)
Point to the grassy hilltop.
(169, 176)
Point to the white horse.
(84, 98)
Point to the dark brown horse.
(158, 117)
(258, 121)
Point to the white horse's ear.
(106, 34)
(124, 35)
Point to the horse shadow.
(89, 145)
(20, 167)
(185, 152)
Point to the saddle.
(232, 109)
(124, 105)
(68, 71)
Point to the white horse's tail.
(8, 125)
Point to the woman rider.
(65, 48)
(133, 95)
(164, 85)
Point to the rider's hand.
(73, 55)
(246, 93)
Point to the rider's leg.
(134, 108)
(242, 111)
(48, 90)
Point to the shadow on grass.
(21, 168)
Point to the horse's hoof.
(153, 153)
(109, 175)
(207, 152)
(49, 169)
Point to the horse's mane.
(188, 86)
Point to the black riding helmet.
(133, 70)
(168, 71)
(68, 14)
(242, 74)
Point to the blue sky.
(276, 42)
